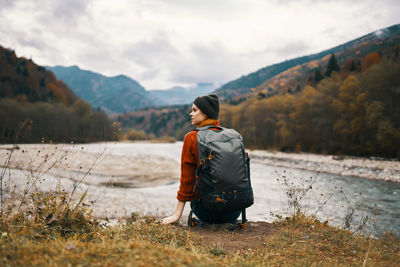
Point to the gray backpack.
(223, 177)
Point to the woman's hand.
(171, 219)
(177, 214)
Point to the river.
(121, 178)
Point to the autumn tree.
(371, 59)
(357, 115)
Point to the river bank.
(367, 168)
(118, 165)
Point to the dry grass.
(304, 241)
(74, 238)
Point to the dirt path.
(222, 236)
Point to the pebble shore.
(368, 168)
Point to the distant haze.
(162, 44)
(183, 95)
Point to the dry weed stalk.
(6, 166)
(353, 220)
(34, 166)
(296, 189)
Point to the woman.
(205, 111)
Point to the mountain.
(355, 50)
(182, 95)
(21, 77)
(168, 120)
(36, 107)
(118, 94)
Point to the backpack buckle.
(241, 226)
(211, 155)
(191, 222)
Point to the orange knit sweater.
(190, 162)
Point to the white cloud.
(164, 43)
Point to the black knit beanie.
(209, 105)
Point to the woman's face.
(197, 116)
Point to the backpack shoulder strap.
(219, 128)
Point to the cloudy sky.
(163, 43)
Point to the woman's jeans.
(209, 217)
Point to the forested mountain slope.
(20, 76)
(353, 114)
(36, 107)
(355, 50)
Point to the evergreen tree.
(42, 82)
(317, 76)
(353, 66)
(332, 66)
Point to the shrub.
(50, 216)
(135, 135)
